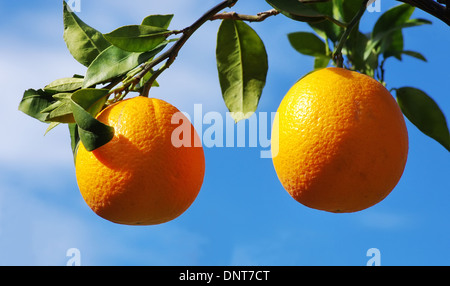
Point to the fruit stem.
(337, 55)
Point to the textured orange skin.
(340, 142)
(139, 177)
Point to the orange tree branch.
(440, 9)
(248, 18)
(170, 55)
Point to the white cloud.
(268, 250)
(33, 230)
(385, 220)
(108, 15)
(24, 142)
(168, 244)
(40, 221)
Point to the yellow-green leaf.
(242, 65)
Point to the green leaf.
(74, 138)
(114, 62)
(62, 96)
(297, 10)
(349, 9)
(242, 65)
(385, 34)
(51, 107)
(321, 62)
(392, 44)
(161, 21)
(60, 111)
(64, 85)
(308, 44)
(424, 113)
(91, 99)
(355, 47)
(400, 53)
(137, 38)
(416, 55)
(93, 133)
(393, 17)
(34, 101)
(84, 42)
(51, 126)
(327, 29)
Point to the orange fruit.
(339, 141)
(140, 177)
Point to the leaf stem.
(337, 22)
(337, 55)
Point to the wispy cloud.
(275, 248)
(385, 220)
(24, 142)
(39, 224)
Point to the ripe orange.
(140, 177)
(339, 142)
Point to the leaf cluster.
(130, 59)
(122, 61)
(110, 59)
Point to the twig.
(171, 54)
(447, 8)
(431, 7)
(337, 55)
(248, 18)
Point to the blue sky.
(242, 215)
